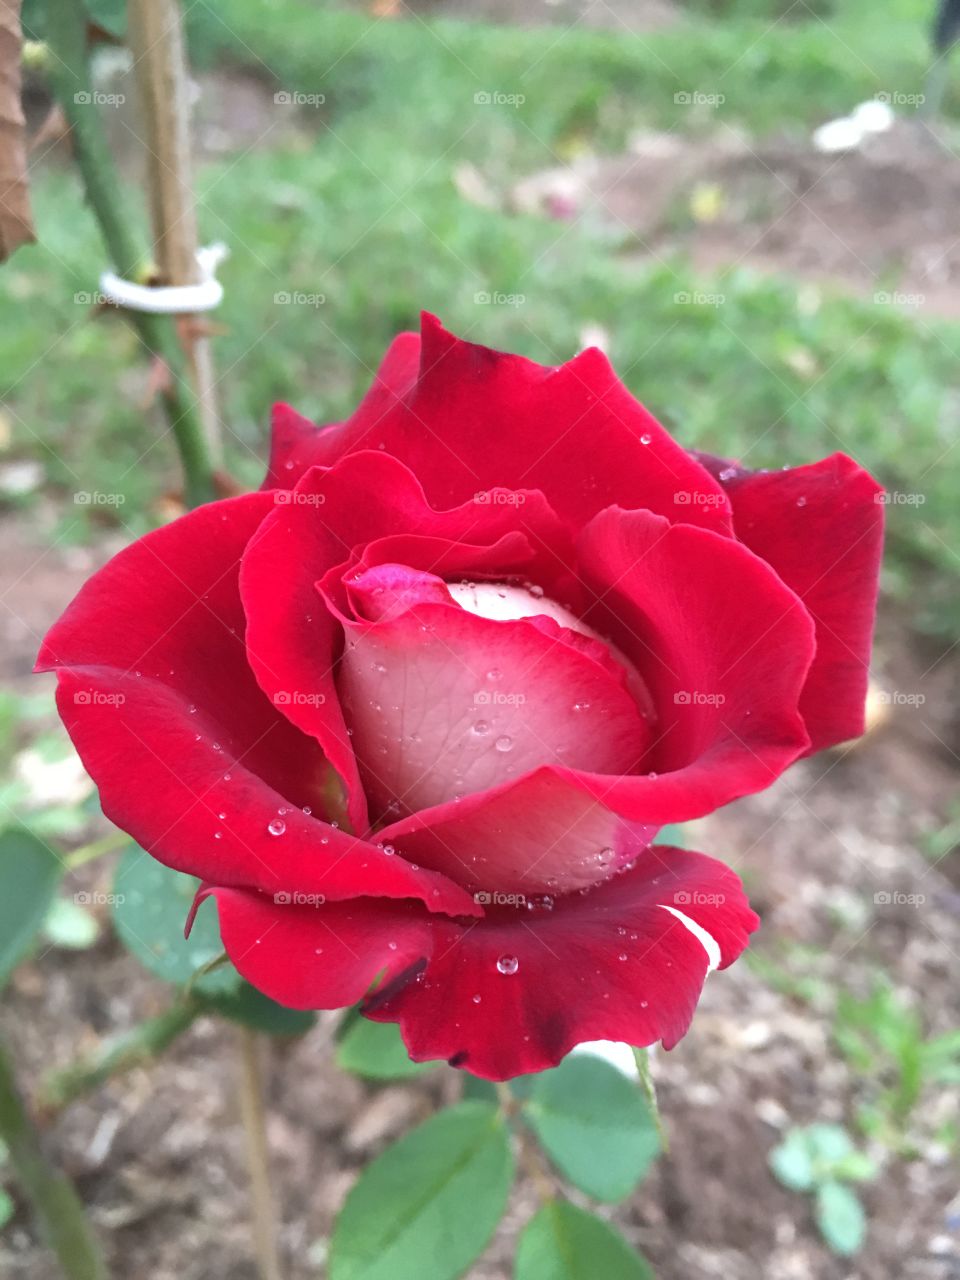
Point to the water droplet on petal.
(504, 744)
(646, 438)
(276, 826)
(622, 955)
(494, 673)
(801, 502)
(508, 964)
(476, 999)
(389, 850)
(481, 728)
(581, 706)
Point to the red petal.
(477, 418)
(158, 698)
(724, 648)
(821, 528)
(568, 983)
(322, 956)
(540, 834)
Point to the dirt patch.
(881, 219)
(159, 1156)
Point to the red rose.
(416, 710)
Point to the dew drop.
(307, 810)
(481, 728)
(646, 438)
(644, 1004)
(476, 999)
(581, 706)
(389, 850)
(622, 956)
(504, 744)
(801, 502)
(508, 964)
(392, 946)
(276, 826)
(728, 473)
(494, 673)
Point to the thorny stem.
(95, 849)
(70, 79)
(140, 1045)
(51, 1193)
(531, 1160)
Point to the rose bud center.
(451, 689)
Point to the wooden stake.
(262, 1202)
(156, 39)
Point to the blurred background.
(652, 177)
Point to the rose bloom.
(415, 711)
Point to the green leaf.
(6, 1208)
(429, 1204)
(376, 1051)
(68, 925)
(251, 1008)
(840, 1218)
(29, 873)
(595, 1125)
(565, 1243)
(856, 1167)
(150, 908)
(792, 1162)
(828, 1143)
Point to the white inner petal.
(707, 941)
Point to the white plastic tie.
(171, 300)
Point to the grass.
(359, 205)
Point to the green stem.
(95, 849)
(642, 1058)
(70, 79)
(144, 1043)
(51, 1193)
